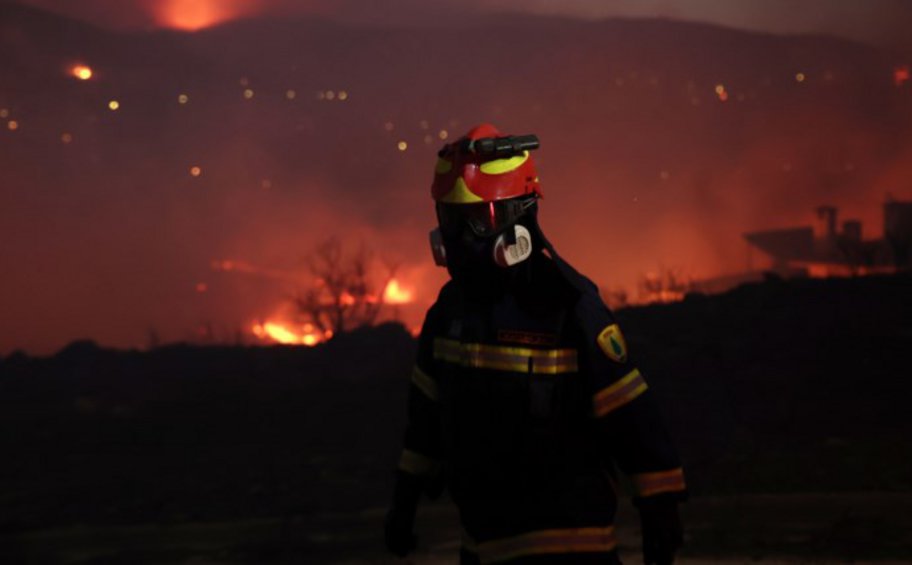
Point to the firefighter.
(524, 398)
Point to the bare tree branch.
(344, 294)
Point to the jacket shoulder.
(591, 313)
(588, 309)
(440, 310)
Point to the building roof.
(789, 244)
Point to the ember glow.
(722, 93)
(81, 72)
(901, 76)
(194, 15)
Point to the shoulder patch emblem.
(612, 342)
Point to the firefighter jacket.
(526, 402)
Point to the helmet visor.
(485, 219)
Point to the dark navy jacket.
(526, 401)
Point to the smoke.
(642, 165)
(881, 22)
(677, 188)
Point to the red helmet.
(485, 182)
(485, 166)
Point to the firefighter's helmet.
(485, 166)
(485, 182)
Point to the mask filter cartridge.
(508, 255)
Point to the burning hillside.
(302, 324)
(339, 290)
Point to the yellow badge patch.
(612, 342)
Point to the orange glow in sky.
(194, 15)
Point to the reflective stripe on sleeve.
(513, 359)
(647, 484)
(620, 393)
(560, 541)
(417, 464)
(424, 383)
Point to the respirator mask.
(480, 239)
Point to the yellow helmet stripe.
(460, 194)
(501, 166)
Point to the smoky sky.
(108, 235)
(884, 22)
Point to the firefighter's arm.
(629, 423)
(419, 469)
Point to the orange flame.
(290, 334)
(194, 15)
(395, 294)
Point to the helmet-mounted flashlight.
(496, 147)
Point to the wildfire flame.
(194, 15)
(395, 294)
(286, 327)
(277, 330)
(290, 334)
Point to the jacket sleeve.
(422, 446)
(624, 410)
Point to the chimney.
(851, 230)
(827, 214)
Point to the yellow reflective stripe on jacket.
(647, 484)
(514, 359)
(620, 393)
(417, 464)
(560, 541)
(425, 383)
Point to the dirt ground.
(188, 454)
(769, 529)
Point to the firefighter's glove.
(663, 533)
(400, 520)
